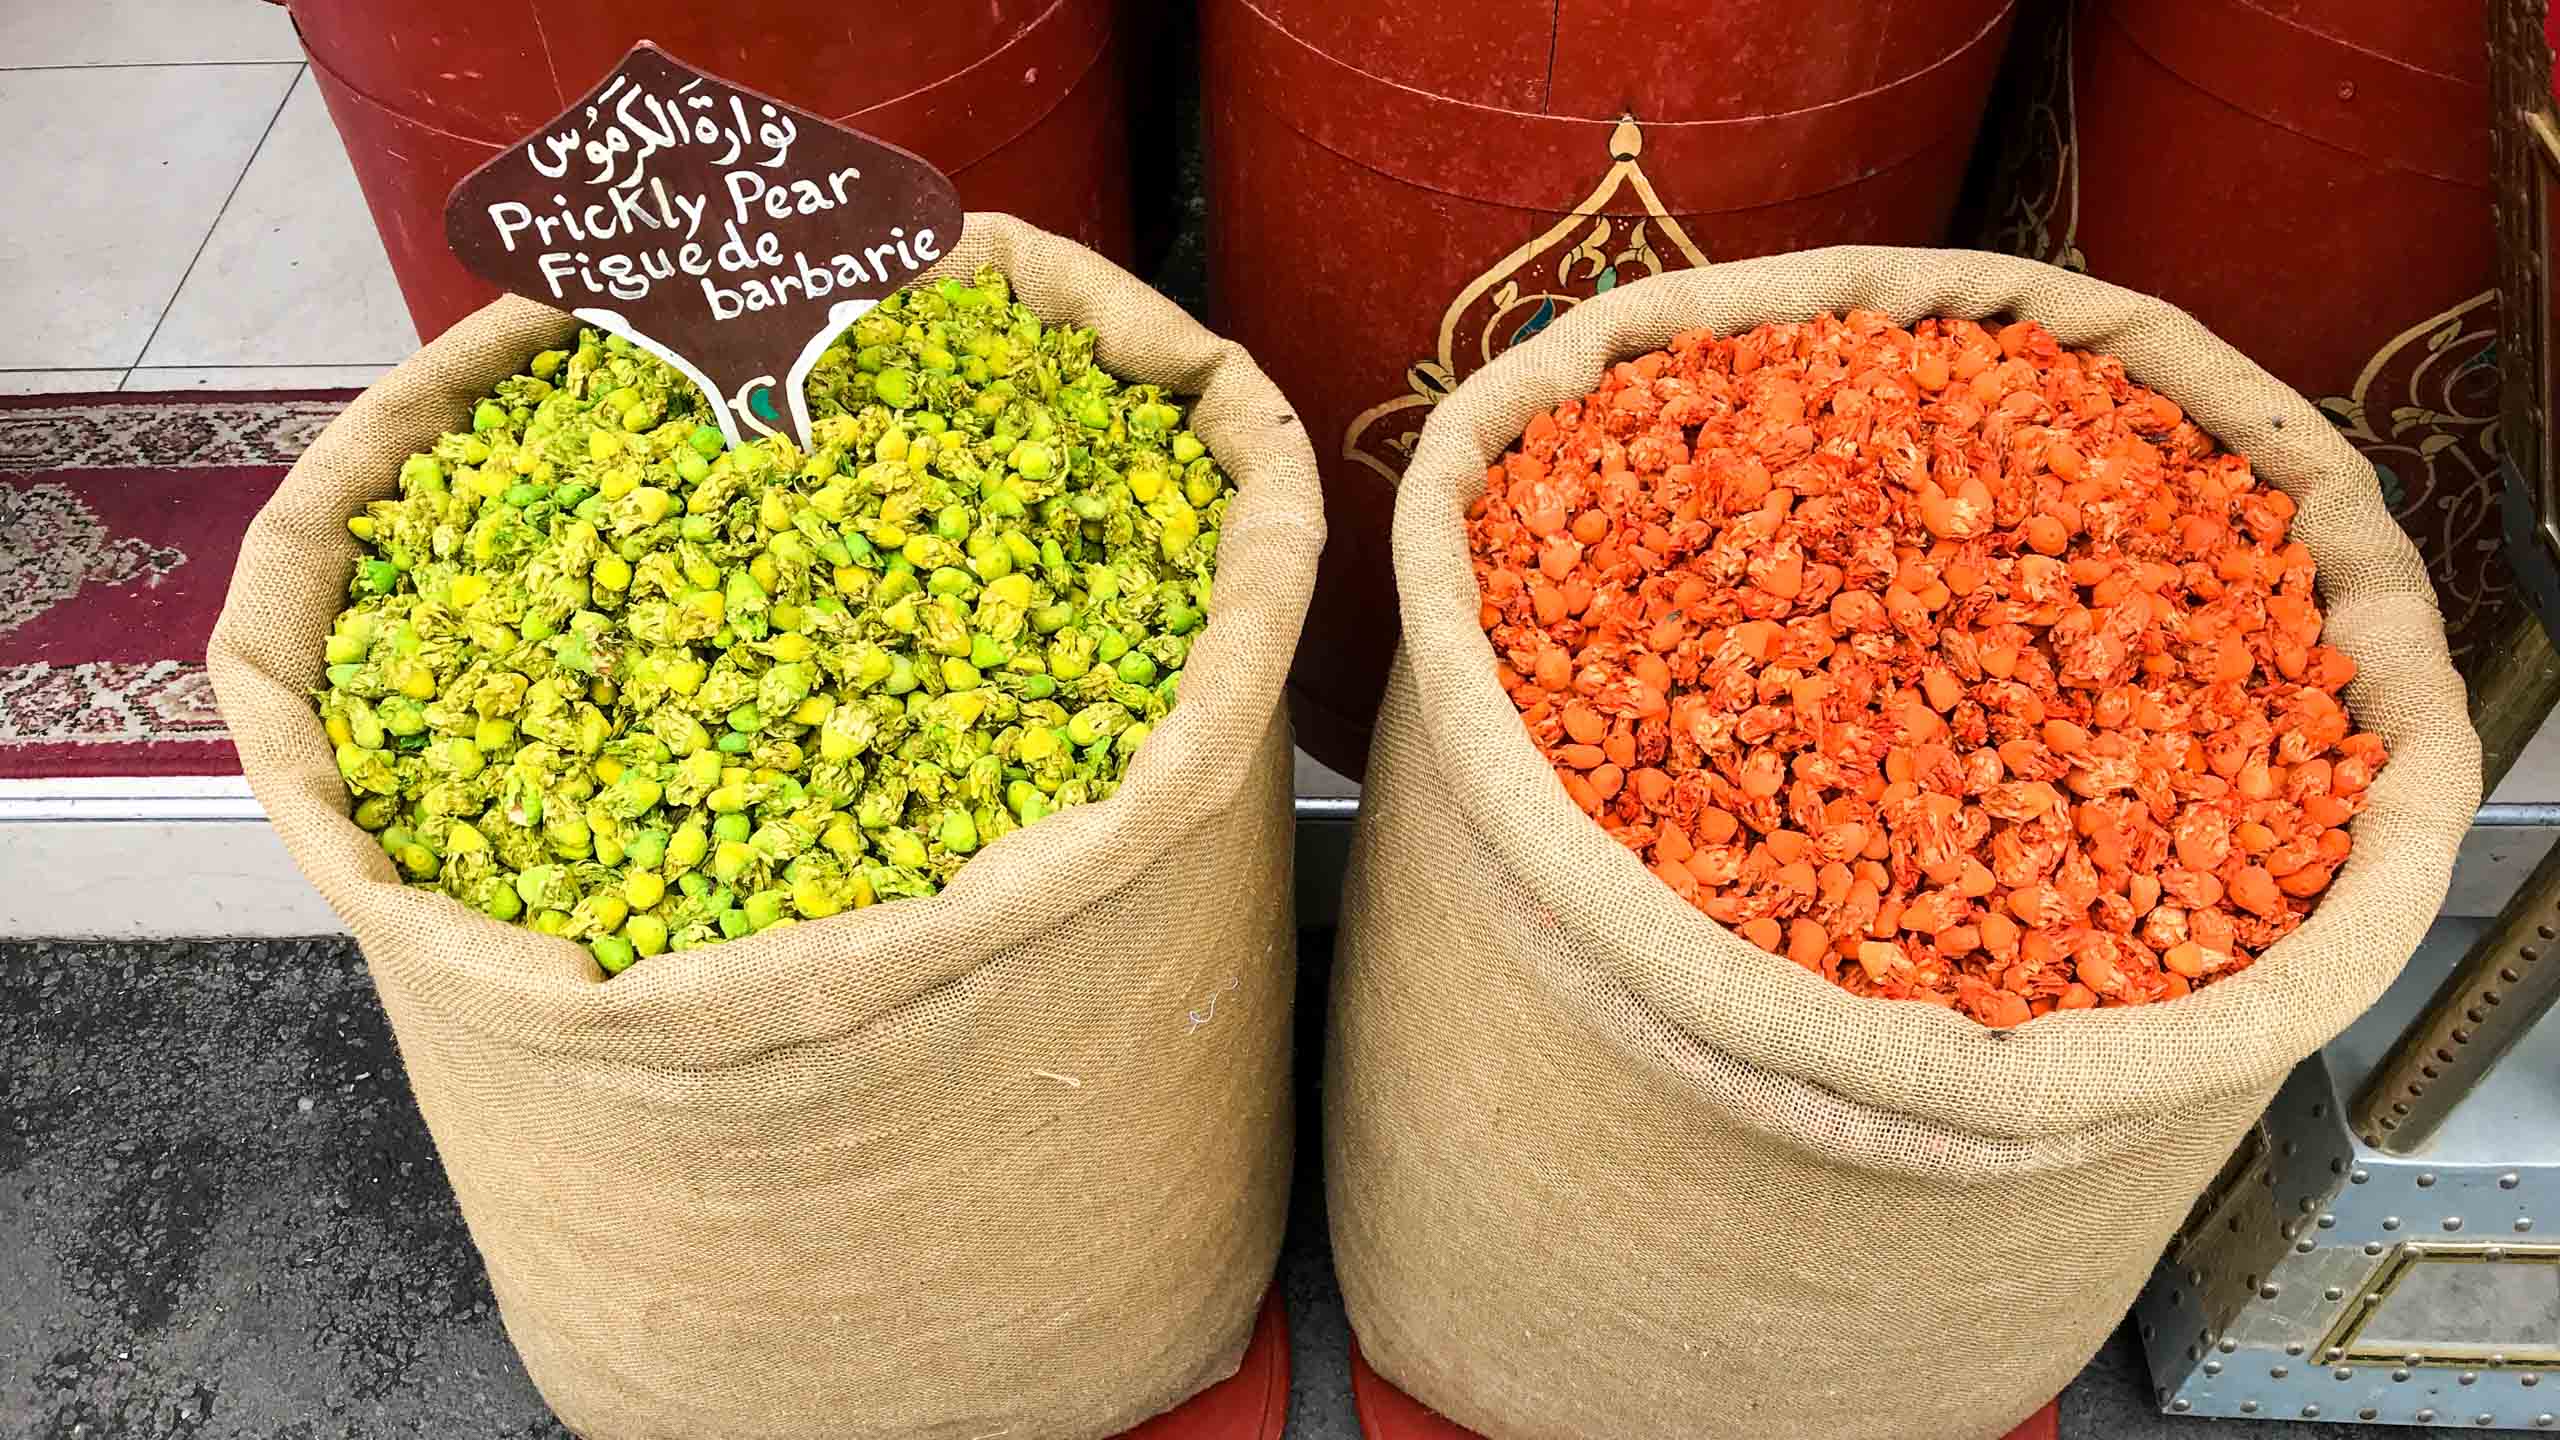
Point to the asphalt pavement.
(221, 1219)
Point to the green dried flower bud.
(596, 661)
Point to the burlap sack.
(1600, 1169)
(1008, 1161)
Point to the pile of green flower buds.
(608, 678)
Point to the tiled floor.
(201, 227)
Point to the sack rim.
(820, 979)
(1914, 1058)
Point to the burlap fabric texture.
(1600, 1169)
(1011, 1160)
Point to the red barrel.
(2311, 180)
(1023, 103)
(1400, 191)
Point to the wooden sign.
(726, 232)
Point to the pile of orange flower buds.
(1944, 662)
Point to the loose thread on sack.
(1071, 1083)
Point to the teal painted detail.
(2393, 492)
(1541, 320)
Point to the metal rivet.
(2195, 1277)
(2179, 1404)
(2294, 1349)
(2532, 1380)
(2424, 1416)
(2230, 1345)
(2213, 1367)
(2542, 1421)
(2523, 1224)
(2328, 1222)
(2335, 1355)
(2149, 1331)
(2426, 1179)
(2302, 1247)
(2337, 1165)
(2270, 1290)
(2510, 1180)
(2484, 1421)
(2468, 1377)
(2248, 1407)
(2278, 1372)
(2400, 1376)
(2390, 1222)
(2373, 1247)
(2368, 1413)
(2306, 1205)
(2333, 1293)
(2342, 1373)
(2357, 1177)
(2453, 1222)
(2310, 1412)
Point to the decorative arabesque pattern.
(1619, 233)
(53, 546)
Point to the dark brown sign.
(729, 233)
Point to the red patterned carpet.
(120, 517)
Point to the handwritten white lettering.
(512, 217)
(626, 216)
(629, 125)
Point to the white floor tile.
(116, 177)
(144, 32)
(294, 273)
(57, 382)
(2536, 776)
(254, 377)
(204, 877)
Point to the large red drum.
(1399, 191)
(2311, 180)
(1023, 103)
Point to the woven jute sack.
(1011, 1160)
(1599, 1168)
